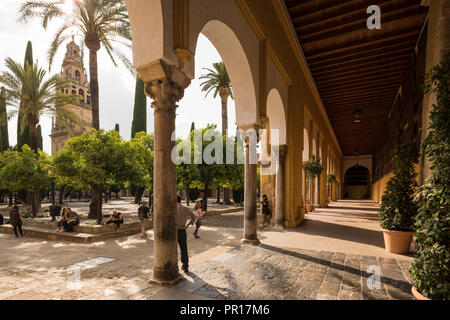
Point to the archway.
(357, 183)
(163, 48)
(235, 59)
(277, 117)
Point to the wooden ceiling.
(354, 67)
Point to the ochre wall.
(301, 98)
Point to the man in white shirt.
(181, 217)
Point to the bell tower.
(73, 71)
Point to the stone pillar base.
(277, 228)
(253, 242)
(164, 283)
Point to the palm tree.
(98, 22)
(217, 80)
(32, 97)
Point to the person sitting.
(116, 218)
(71, 220)
(59, 223)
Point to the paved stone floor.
(220, 267)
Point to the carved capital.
(164, 83)
(165, 93)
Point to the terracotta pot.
(309, 208)
(397, 241)
(418, 295)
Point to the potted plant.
(313, 168)
(331, 178)
(430, 271)
(398, 209)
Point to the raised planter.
(418, 295)
(397, 241)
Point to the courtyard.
(322, 259)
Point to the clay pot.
(397, 241)
(309, 208)
(418, 295)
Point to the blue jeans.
(197, 226)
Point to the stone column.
(250, 215)
(280, 194)
(166, 93)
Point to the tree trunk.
(95, 207)
(10, 204)
(226, 196)
(205, 198)
(138, 195)
(224, 94)
(93, 74)
(218, 195)
(35, 197)
(187, 195)
(61, 195)
(53, 191)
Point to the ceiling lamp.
(357, 113)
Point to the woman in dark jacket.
(15, 220)
(265, 210)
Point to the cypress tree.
(192, 126)
(4, 137)
(139, 123)
(23, 134)
(39, 136)
(117, 128)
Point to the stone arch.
(357, 183)
(152, 31)
(305, 155)
(276, 115)
(314, 147)
(229, 47)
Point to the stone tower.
(72, 70)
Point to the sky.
(116, 84)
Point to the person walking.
(143, 214)
(15, 219)
(265, 210)
(199, 213)
(181, 217)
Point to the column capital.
(164, 83)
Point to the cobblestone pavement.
(265, 272)
(220, 269)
